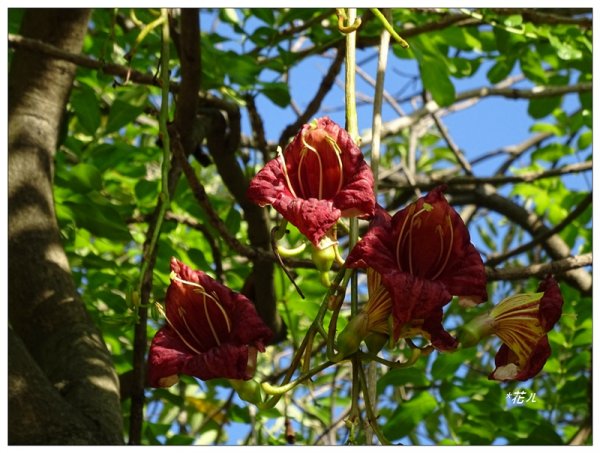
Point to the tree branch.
(313, 106)
(580, 209)
(397, 181)
(556, 248)
(395, 126)
(558, 267)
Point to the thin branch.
(555, 246)
(395, 126)
(258, 129)
(313, 106)
(195, 225)
(386, 95)
(150, 250)
(21, 42)
(581, 207)
(514, 150)
(460, 157)
(537, 17)
(539, 269)
(398, 182)
(204, 202)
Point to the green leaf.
(434, 73)
(513, 21)
(501, 69)
(277, 92)
(121, 114)
(585, 140)
(146, 191)
(531, 64)
(551, 153)
(565, 50)
(446, 364)
(264, 14)
(101, 221)
(542, 434)
(85, 177)
(547, 127)
(229, 15)
(85, 105)
(233, 220)
(408, 415)
(398, 377)
(542, 107)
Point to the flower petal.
(375, 248)
(440, 339)
(269, 184)
(357, 197)
(227, 361)
(507, 368)
(414, 298)
(551, 303)
(432, 241)
(166, 356)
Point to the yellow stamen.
(303, 155)
(210, 324)
(401, 238)
(338, 154)
(164, 314)
(200, 290)
(450, 245)
(182, 315)
(285, 173)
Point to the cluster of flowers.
(416, 261)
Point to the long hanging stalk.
(149, 253)
(371, 375)
(352, 128)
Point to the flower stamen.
(162, 312)
(449, 250)
(285, 172)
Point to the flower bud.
(249, 391)
(349, 339)
(476, 329)
(376, 341)
(323, 258)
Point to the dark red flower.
(522, 322)
(320, 177)
(425, 257)
(211, 331)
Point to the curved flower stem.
(144, 288)
(352, 25)
(317, 325)
(377, 103)
(275, 249)
(331, 355)
(280, 390)
(166, 163)
(352, 127)
(389, 27)
(416, 353)
(369, 407)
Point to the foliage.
(270, 64)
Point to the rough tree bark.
(62, 386)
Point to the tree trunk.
(62, 386)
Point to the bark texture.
(62, 386)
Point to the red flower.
(211, 331)
(522, 322)
(320, 177)
(425, 257)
